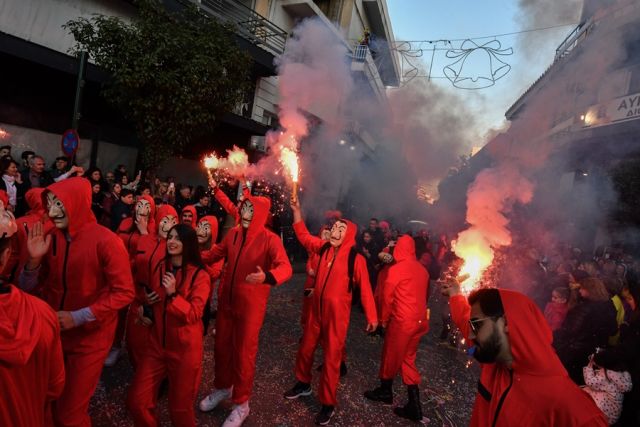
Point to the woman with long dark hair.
(175, 347)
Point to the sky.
(460, 19)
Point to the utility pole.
(82, 70)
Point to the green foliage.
(626, 180)
(172, 73)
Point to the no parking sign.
(70, 142)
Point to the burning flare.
(4, 134)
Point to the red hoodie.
(31, 364)
(244, 251)
(331, 296)
(537, 390)
(405, 287)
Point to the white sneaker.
(112, 358)
(238, 415)
(210, 402)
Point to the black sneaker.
(324, 416)
(300, 389)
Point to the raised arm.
(310, 242)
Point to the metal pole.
(82, 69)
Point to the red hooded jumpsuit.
(151, 251)
(537, 390)
(88, 267)
(331, 307)
(404, 310)
(174, 350)
(31, 364)
(242, 305)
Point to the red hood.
(162, 211)
(530, 337)
(34, 199)
(405, 249)
(19, 328)
(350, 238)
(75, 194)
(213, 221)
(193, 211)
(261, 207)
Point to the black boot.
(384, 393)
(413, 409)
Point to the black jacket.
(587, 326)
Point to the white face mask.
(143, 208)
(338, 233)
(57, 211)
(246, 213)
(166, 223)
(204, 232)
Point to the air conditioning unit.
(258, 143)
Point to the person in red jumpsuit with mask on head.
(207, 232)
(522, 381)
(31, 363)
(224, 201)
(256, 261)
(151, 252)
(86, 276)
(131, 231)
(331, 308)
(175, 346)
(403, 313)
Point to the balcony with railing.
(362, 61)
(249, 24)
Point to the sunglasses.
(476, 324)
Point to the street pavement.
(447, 392)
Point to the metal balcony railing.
(573, 39)
(360, 52)
(250, 25)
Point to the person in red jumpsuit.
(403, 314)
(207, 231)
(131, 231)
(31, 363)
(189, 216)
(331, 308)
(256, 261)
(151, 252)
(522, 381)
(85, 275)
(174, 349)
